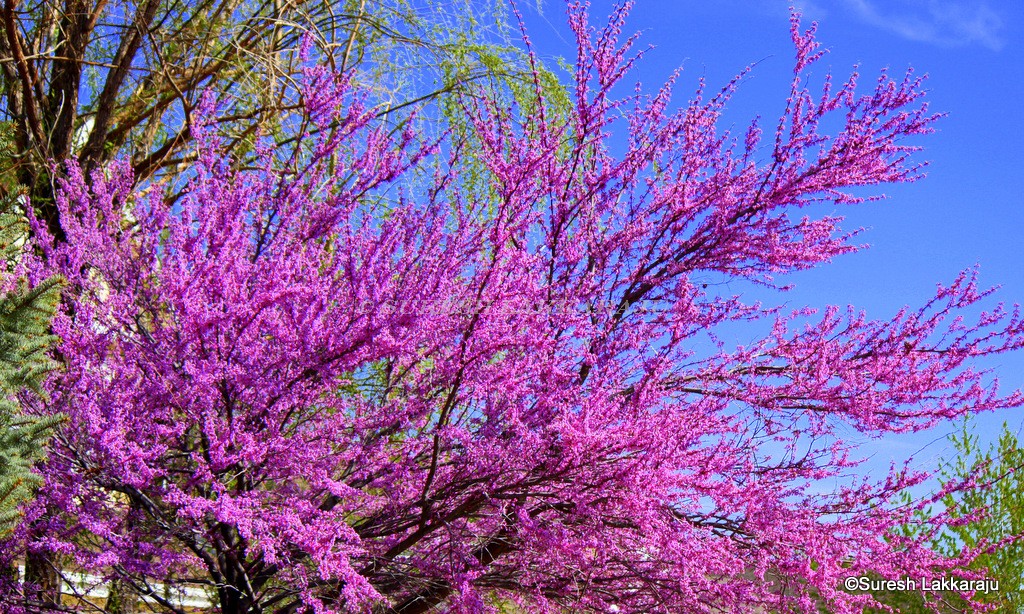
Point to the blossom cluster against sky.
(968, 211)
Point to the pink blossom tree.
(364, 384)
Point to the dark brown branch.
(106, 103)
(14, 43)
(76, 25)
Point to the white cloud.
(949, 23)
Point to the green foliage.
(25, 315)
(8, 177)
(1001, 494)
(483, 58)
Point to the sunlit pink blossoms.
(357, 385)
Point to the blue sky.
(968, 211)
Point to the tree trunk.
(122, 598)
(42, 582)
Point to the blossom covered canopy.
(363, 382)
